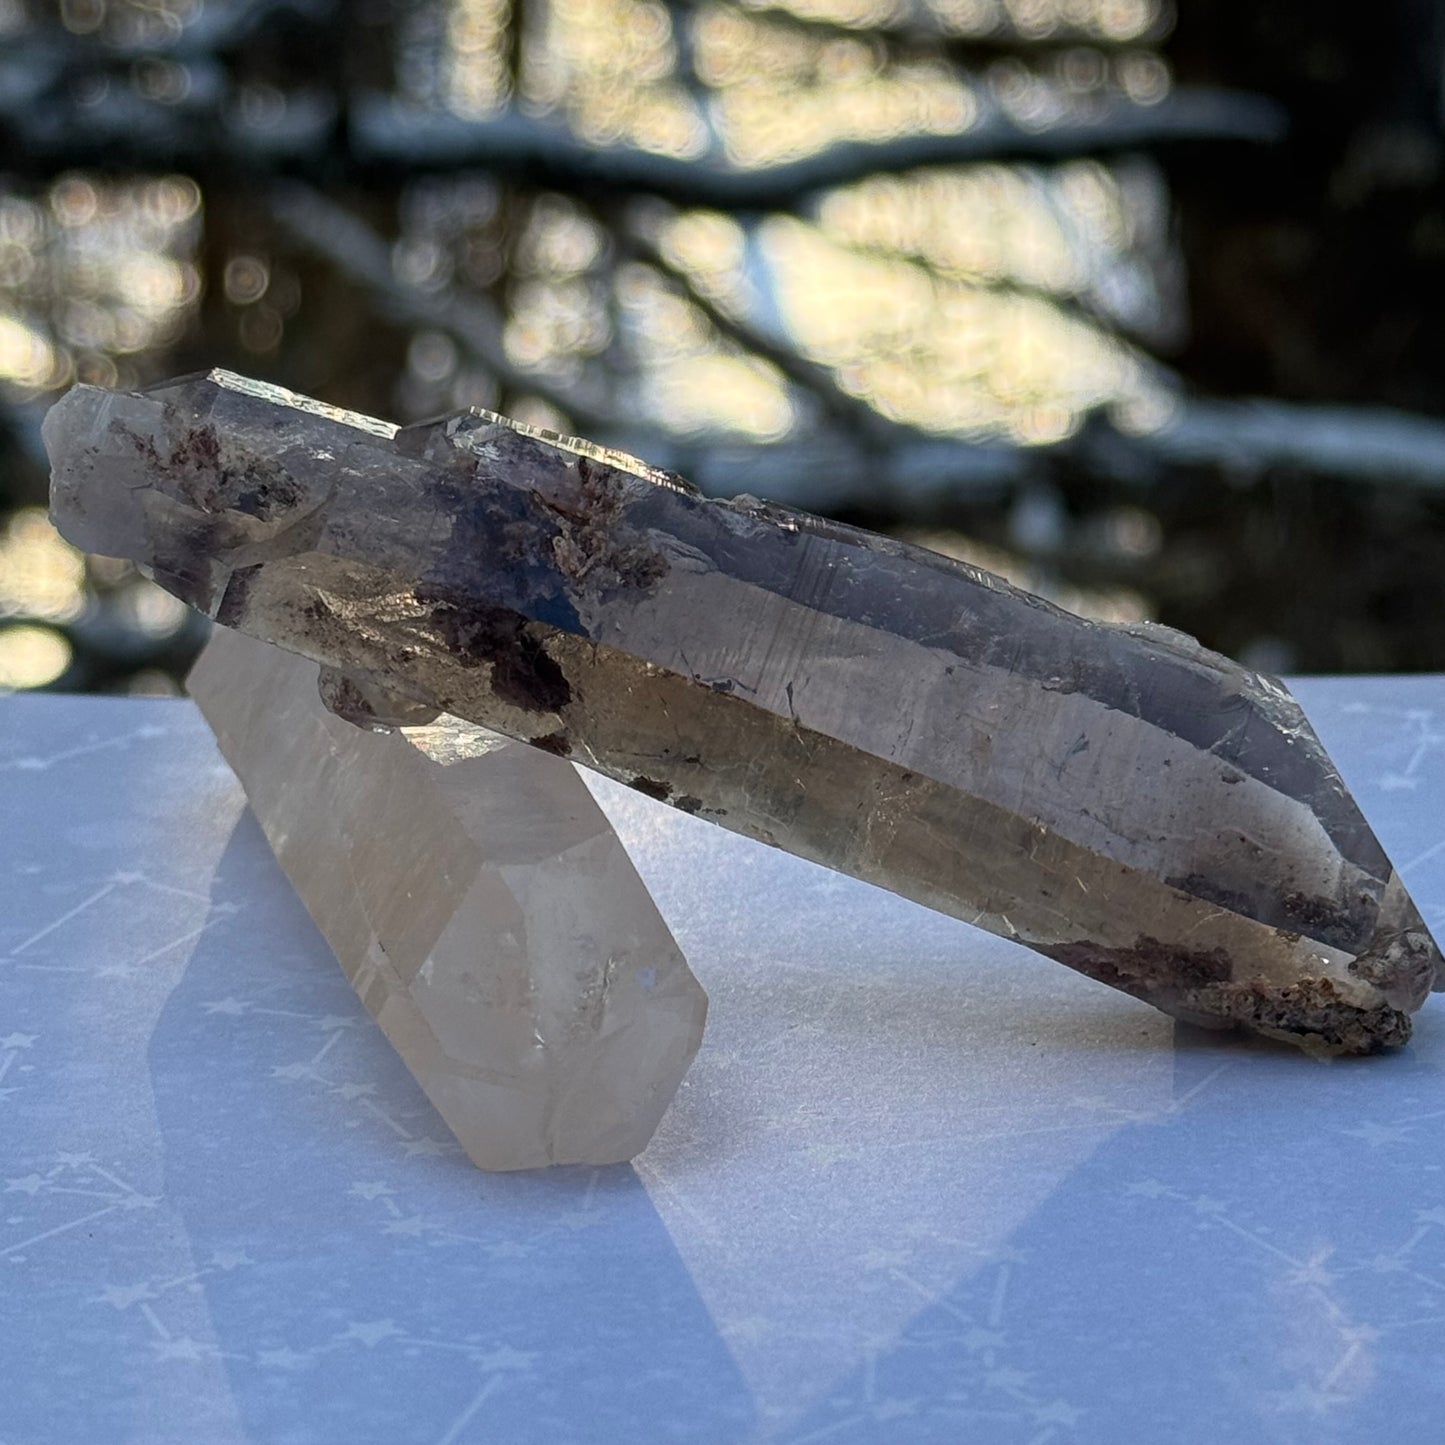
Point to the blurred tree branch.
(122, 130)
(547, 152)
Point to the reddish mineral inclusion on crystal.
(1117, 798)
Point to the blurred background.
(1136, 303)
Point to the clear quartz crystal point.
(479, 903)
(1117, 798)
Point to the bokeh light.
(780, 95)
(42, 577)
(94, 271)
(31, 656)
(939, 353)
(1111, 20)
(612, 67)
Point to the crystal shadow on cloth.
(1229, 1279)
(385, 1290)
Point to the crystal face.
(1117, 798)
(481, 906)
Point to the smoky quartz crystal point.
(1117, 798)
